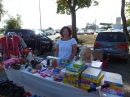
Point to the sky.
(106, 11)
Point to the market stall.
(46, 86)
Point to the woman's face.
(65, 33)
(88, 53)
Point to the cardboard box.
(78, 63)
(72, 78)
(58, 60)
(98, 54)
(113, 79)
(97, 81)
(91, 73)
(72, 68)
(96, 64)
(113, 91)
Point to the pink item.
(47, 72)
(9, 62)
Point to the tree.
(70, 7)
(106, 27)
(128, 22)
(2, 11)
(127, 10)
(13, 23)
(124, 18)
(91, 26)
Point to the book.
(96, 64)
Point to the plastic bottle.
(30, 56)
(50, 63)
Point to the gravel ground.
(115, 66)
(118, 66)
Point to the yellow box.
(85, 86)
(116, 87)
(72, 78)
(97, 81)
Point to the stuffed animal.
(9, 62)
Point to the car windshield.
(102, 29)
(111, 37)
(38, 32)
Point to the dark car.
(35, 39)
(114, 44)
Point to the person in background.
(86, 55)
(23, 44)
(66, 46)
(20, 35)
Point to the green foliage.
(127, 10)
(91, 26)
(67, 6)
(13, 23)
(2, 30)
(105, 27)
(128, 22)
(70, 7)
(2, 11)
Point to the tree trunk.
(73, 16)
(124, 18)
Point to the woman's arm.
(74, 51)
(57, 50)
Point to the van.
(34, 39)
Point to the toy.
(99, 89)
(9, 62)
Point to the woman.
(66, 47)
(86, 55)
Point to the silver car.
(80, 32)
(114, 44)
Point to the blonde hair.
(83, 53)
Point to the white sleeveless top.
(65, 48)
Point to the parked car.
(34, 39)
(89, 32)
(101, 30)
(57, 31)
(114, 44)
(50, 32)
(80, 31)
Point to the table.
(46, 86)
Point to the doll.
(86, 55)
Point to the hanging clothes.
(10, 45)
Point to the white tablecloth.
(46, 86)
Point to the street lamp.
(40, 16)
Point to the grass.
(86, 39)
